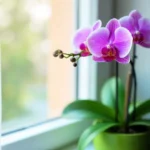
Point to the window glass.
(35, 86)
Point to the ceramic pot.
(119, 141)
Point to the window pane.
(35, 86)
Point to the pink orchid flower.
(109, 43)
(138, 26)
(80, 37)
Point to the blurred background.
(33, 83)
(36, 86)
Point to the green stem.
(116, 103)
(135, 82)
(127, 101)
(72, 54)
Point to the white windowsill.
(48, 136)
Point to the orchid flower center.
(137, 37)
(83, 47)
(85, 50)
(109, 52)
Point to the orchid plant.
(107, 44)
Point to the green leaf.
(131, 106)
(88, 109)
(142, 109)
(141, 122)
(90, 133)
(108, 94)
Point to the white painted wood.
(0, 99)
(49, 136)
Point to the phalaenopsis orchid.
(112, 43)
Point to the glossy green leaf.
(90, 133)
(141, 122)
(108, 94)
(88, 109)
(131, 106)
(142, 109)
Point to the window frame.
(43, 136)
(0, 97)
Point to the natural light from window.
(35, 86)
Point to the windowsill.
(74, 147)
(51, 135)
(33, 131)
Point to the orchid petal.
(144, 44)
(123, 41)
(109, 59)
(128, 23)
(144, 24)
(103, 59)
(99, 59)
(136, 16)
(146, 38)
(97, 25)
(146, 35)
(85, 53)
(81, 36)
(124, 60)
(97, 40)
(112, 25)
(144, 29)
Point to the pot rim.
(128, 134)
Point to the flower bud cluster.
(73, 57)
(58, 53)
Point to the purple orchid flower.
(80, 38)
(109, 43)
(138, 26)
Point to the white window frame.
(0, 98)
(60, 132)
(48, 136)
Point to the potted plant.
(118, 122)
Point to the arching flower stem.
(127, 101)
(132, 84)
(134, 80)
(67, 55)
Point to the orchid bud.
(59, 51)
(73, 59)
(55, 54)
(61, 56)
(75, 64)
